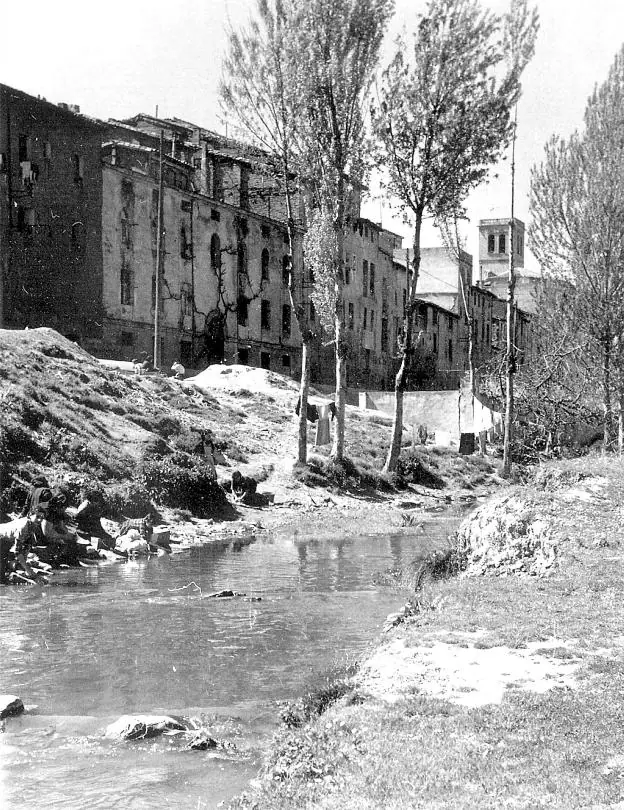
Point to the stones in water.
(145, 726)
(10, 706)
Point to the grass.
(560, 749)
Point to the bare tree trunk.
(407, 350)
(606, 396)
(338, 445)
(620, 419)
(302, 444)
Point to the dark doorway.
(213, 348)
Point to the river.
(146, 637)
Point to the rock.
(224, 594)
(202, 742)
(10, 706)
(506, 536)
(145, 726)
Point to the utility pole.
(193, 322)
(511, 349)
(159, 256)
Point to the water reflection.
(146, 636)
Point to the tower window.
(491, 243)
(502, 243)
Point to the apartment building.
(50, 217)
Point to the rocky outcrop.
(507, 536)
(10, 706)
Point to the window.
(501, 243)
(186, 206)
(384, 334)
(241, 259)
(126, 238)
(519, 244)
(372, 320)
(347, 279)
(286, 270)
(434, 317)
(487, 333)
(26, 220)
(435, 344)
(127, 190)
(265, 231)
(286, 320)
(243, 356)
(365, 278)
(265, 314)
(186, 295)
(127, 284)
(23, 148)
(450, 323)
(242, 311)
(215, 252)
(372, 280)
(404, 302)
(265, 360)
(215, 215)
(126, 338)
(217, 181)
(78, 164)
(285, 237)
(450, 351)
(365, 318)
(243, 227)
(312, 312)
(264, 265)
(351, 316)
(186, 249)
(244, 188)
(286, 361)
(76, 236)
(186, 352)
(491, 243)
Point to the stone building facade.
(50, 217)
(79, 251)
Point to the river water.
(146, 637)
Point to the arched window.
(286, 270)
(264, 263)
(215, 252)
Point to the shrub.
(184, 483)
(334, 684)
(410, 468)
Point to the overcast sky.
(121, 57)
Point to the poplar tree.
(577, 206)
(257, 87)
(442, 119)
(337, 48)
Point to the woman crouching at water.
(62, 544)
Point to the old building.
(90, 246)
(50, 217)
(494, 257)
(224, 268)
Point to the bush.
(334, 685)
(182, 482)
(410, 468)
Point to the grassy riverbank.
(500, 691)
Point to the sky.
(122, 57)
